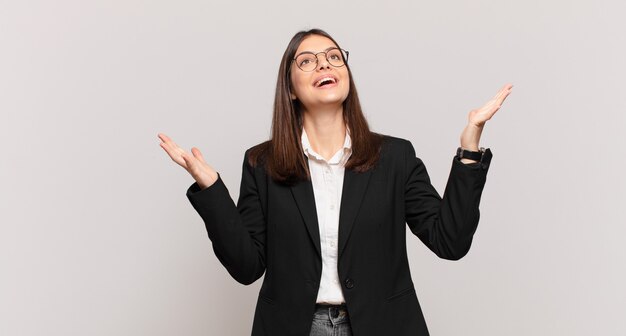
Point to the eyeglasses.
(307, 61)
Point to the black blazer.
(273, 229)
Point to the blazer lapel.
(305, 199)
(354, 186)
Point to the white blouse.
(327, 180)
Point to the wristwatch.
(467, 154)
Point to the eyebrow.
(312, 52)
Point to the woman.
(323, 205)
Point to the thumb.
(197, 154)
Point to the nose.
(322, 61)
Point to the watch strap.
(472, 155)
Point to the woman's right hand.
(204, 174)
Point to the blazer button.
(349, 283)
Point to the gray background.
(98, 238)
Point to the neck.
(326, 130)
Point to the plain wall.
(98, 238)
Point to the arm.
(446, 226)
(237, 232)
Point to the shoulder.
(258, 153)
(394, 151)
(396, 145)
(395, 141)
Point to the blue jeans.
(331, 320)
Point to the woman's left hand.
(478, 117)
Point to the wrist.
(470, 137)
(207, 182)
(472, 147)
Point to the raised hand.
(479, 116)
(195, 165)
(470, 137)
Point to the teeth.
(325, 79)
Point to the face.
(327, 85)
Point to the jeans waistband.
(338, 313)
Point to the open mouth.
(325, 81)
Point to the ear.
(293, 96)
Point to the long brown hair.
(283, 155)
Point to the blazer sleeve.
(236, 232)
(446, 226)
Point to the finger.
(174, 149)
(169, 141)
(490, 105)
(506, 94)
(497, 97)
(164, 138)
(168, 149)
(196, 152)
(505, 90)
(500, 94)
(175, 155)
(190, 163)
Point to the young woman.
(323, 205)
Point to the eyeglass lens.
(308, 61)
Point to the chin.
(325, 100)
(333, 98)
(335, 101)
